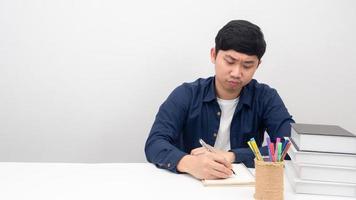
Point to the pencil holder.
(269, 180)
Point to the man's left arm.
(276, 117)
(277, 121)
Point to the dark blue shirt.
(191, 112)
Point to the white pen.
(210, 148)
(205, 145)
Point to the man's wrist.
(230, 156)
(184, 163)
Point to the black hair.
(241, 36)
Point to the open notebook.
(242, 177)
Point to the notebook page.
(243, 176)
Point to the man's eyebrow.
(249, 62)
(230, 57)
(234, 59)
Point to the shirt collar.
(245, 96)
(210, 94)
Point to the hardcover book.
(323, 138)
(322, 158)
(318, 187)
(325, 173)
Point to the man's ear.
(212, 55)
(259, 62)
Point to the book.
(323, 138)
(325, 173)
(318, 187)
(321, 158)
(243, 177)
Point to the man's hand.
(229, 156)
(206, 165)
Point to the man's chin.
(235, 89)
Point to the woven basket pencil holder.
(269, 180)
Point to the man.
(225, 111)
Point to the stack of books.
(323, 160)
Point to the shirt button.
(218, 113)
(169, 165)
(215, 134)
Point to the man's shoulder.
(199, 87)
(200, 82)
(260, 88)
(195, 87)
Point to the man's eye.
(247, 66)
(229, 62)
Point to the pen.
(271, 146)
(276, 150)
(279, 152)
(286, 150)
(285, 143)
(252, 149)
(254, 145)
(269, 149)
(210, 148)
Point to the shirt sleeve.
(161, 147)
(277, 122)
(276, 118)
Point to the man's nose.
(236, 71)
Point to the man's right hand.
(205, 166)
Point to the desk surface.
(114, 181)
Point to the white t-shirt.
(227, 108)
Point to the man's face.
(233, 70)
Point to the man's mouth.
(234, 83)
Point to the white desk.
(51, 181)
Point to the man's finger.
(198, 151)
(218, 175)
(221, 159)
(221, 168)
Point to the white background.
(81, 81)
